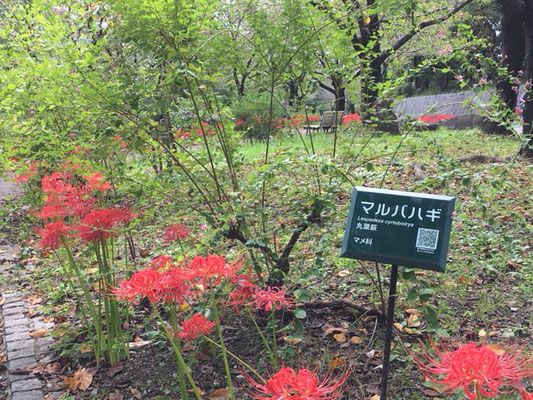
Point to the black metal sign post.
(388, 332)
(398, 228)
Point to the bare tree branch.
(408, 36)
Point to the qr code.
(427, 238)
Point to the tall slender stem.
(181, 362)
(237, 358)
(273, 359)
(224, 355)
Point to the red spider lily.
(101, 224)
(175, 232)
(476, 369)
(96, 182)
(349, 118)
(313, 118)
(52, 234)
(55, 183)
(211, 270)
(287, 384)
(162, 262)
(173, 286)
(272, 298)
(435, 118)
(33, 172)
(169, 285)
(243, 293)
(526, 395)
(143, 283)
(63, 199)
(195, 326)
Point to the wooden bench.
(329, 120)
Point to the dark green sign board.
(399, 228)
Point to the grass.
(350, 141)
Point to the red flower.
(211, 270)
(173, 285)
(435, 118)
(143, 283)
(175, 232)
(52, 234)
(162, 262)
(272, 298)
(243, 293)
(101, 224)
(476, 369)
(169, 285)
(526, 395)
(349, 118)
(287, 384)
(96, 182)
(195, 326)
(63, 199)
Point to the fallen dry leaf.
(356, 340)
(334, 330)
(375, 397)
(112, 371)
(33, 300)
(81, 380)
(138, 344)
(292, 340)
(38, 333)
(337, 362)
(413, 321)
(144, 252)
(115, 396)
(340, 337)
(219, 394)
(500, 351)
(48, 319)
(344, 273)
(2, 301)
(398, 326)
(3, 358)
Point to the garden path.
(19, 350)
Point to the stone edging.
(22, 350)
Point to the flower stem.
(237, 358)
(274, 340)
(224, 356)
(181, 361)
(264, 339)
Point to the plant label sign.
(399, 228)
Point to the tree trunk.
(375, 112)
(513, 49)
(527, 149)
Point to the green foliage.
(253, 116)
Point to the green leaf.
(300, 314)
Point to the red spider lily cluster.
(70, 210)
(176, 232)
(273, 298)
(32, 173)
(351, 118)
(435, 118)
(476, 369)
(206, 129)
(165, 281)
(195, 326)
(299, 385)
